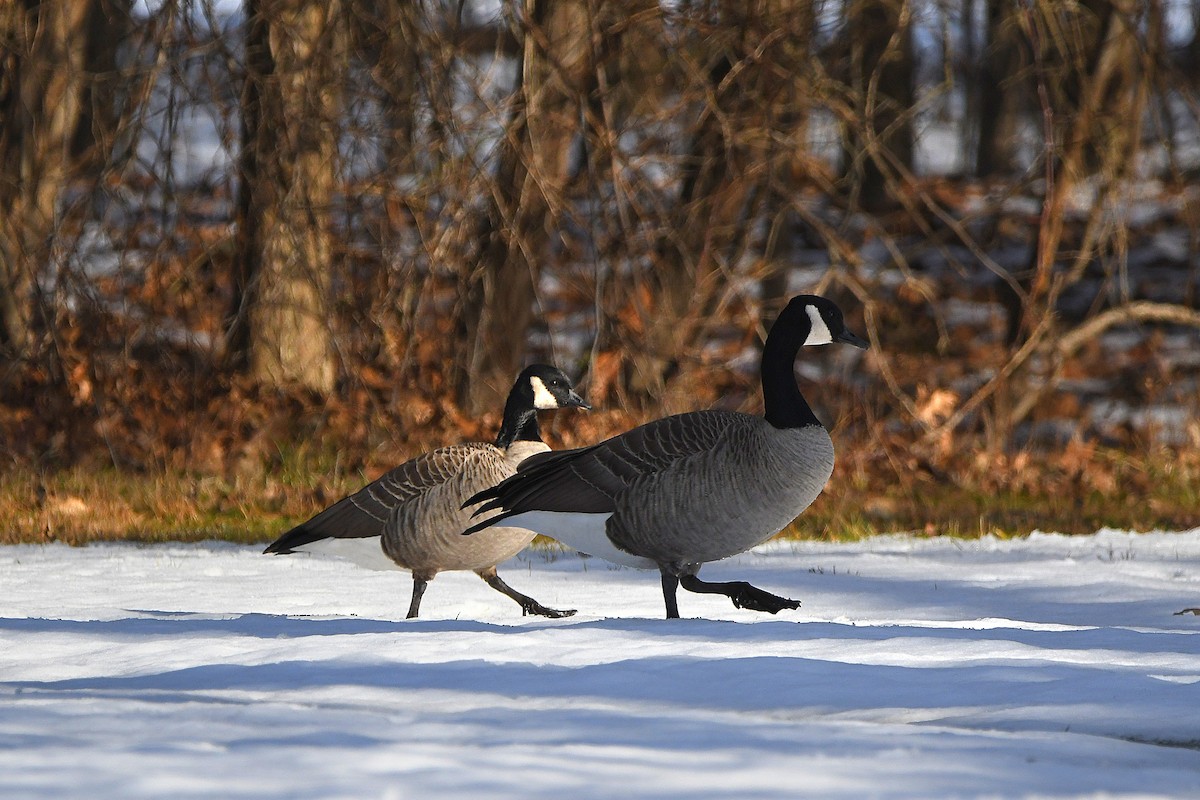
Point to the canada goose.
(411, 517)
(691, 488)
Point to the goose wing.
(364, 513)
(590, 479)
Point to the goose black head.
(538, 387)
(825, 322)
(547, 387)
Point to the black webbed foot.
(741, 593)
(527, 603)
(755, 599)
(534, 607)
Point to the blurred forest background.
(254, 253)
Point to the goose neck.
(784, 405)
(520, 425)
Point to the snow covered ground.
(1051, 666)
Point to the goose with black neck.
(411, 517)
(692, 488)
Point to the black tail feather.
(491, 505)
(551, 483)
(487, 523)
(489, 493)
(296, 537)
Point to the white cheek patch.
(820, 331)
(542, 398)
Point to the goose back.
(350, 527)
(692, 487)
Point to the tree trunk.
(280, 327)
(389, 37)
(881, 74)
(1002, 96)
(526, 204)
(56, 125)
(754, 77)
(1191, 57)
(1092, 101)
(1101, 72)
(1095, 121)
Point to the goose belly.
(587, 533)
(364, 551)
(441, 553)
(726, 501)
(426, 536)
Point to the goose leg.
(419, 585)
(669, 584)
(527, 603)
(741, 593)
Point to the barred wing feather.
(364, 513)
(590, 479)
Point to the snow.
(1049, 666)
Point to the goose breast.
(424, 534)
(737, 494)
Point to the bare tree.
(389, 38)
(280, 326)
(881, 82)
(1092, 104)
(526, 206)
(1092, 92)
(57, 118)
(1191, 56)
(1002, 90)
(747, 72)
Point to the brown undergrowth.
(247, 466)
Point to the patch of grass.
(1165, 497)
(79, 505)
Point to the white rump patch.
(820, 331)
(542, 399)
(366, 551)
(585, 532)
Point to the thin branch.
(1142, 311)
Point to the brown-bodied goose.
(412, 516)
(687, 489)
